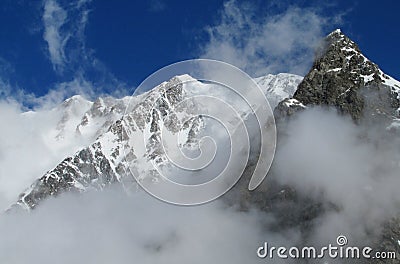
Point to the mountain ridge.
(93, 166)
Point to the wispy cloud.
(64, 32)
(327, 157)
(109, 227)
(54, 17)
(157, 5)
(64, 26)
(270, 43)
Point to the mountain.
(125, 134)
(104, 161)
(114, 138)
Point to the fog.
(267, 40)
(327, 157)
(111, 227)
(33, 142)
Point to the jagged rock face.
(89, 167)
(339, 78)
(337, 75)
(287, 107)
(101, 115)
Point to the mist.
(31, 143)
(267, 41)
(353, 168)
(111, 227)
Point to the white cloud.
(281, 42)
(28, 143)
(54, 17)
(60, 91)
(64, 27)
(327, 157)
(64, 33)
(109, 227)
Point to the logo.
(339, 251)
(198, 129)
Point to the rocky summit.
(342, 77)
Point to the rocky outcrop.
(342, 77)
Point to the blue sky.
(98, 47)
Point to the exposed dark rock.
(341, 77)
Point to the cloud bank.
(110, 227)
(29, 143)
(327, 157)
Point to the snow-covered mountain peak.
(336, 31)
(185, 78)
(278, 87)
(125, 141)
(75, 100)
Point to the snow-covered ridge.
(278, 87)
(132, 141)
(116, 138)
(80, 119)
